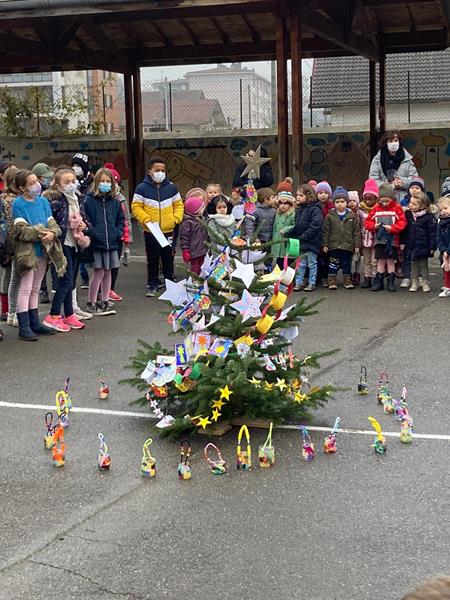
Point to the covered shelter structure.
(125, 35)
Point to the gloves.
(186, 256)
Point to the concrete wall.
(421, 112)
(341, 156)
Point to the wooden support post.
(373, 109)
(282, 96)
(138, 127)
(129, 128)
(382, 85)
(297, 98)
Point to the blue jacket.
(106, 220)
(419, 235)
(308, 227)
(443, 235)
(157, 204)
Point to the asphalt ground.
(350, 526)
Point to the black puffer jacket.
(420, 235)
(60, 211)
(308, 227)
(107, 221)
(443, 235)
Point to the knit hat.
(114, 172)
(4, 164)
(353, 195)
(445, 189)
(193, 205)
(82, 160)
(371, 187)
(387, 191)
(324, 186)
(197, 191)
(286, 197)
(285, 185)
(340, 192)
(42, 170)
(417, 181)
(312, 183)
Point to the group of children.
(60, 220)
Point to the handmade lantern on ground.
(379, 444)
(148, 463)
(329, 443)
(184, 467)
(104, 459)
(58, 447)
(266, 452)
(363, 387)
(218, 465)
(307, 445)
(48, 438)
(243, 457)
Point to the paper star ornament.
(246, 273)
(253, 164)
(176, 293)
(254, 381)
(203, 422)
(225, 392)
(281, 384)
(273, 276)
(218, 404)
(299, 397)
(215, 415)
(248, 306)
(268, 386)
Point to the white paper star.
(248, 305)
(254, 164)
(175, 293)
(285, 312)
(206, 266)
(245, 273)
(252, 256)
(200, 324)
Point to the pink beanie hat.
(193, 205)
(354, 196)
(371, 187)
(197, 191)
(324, 186)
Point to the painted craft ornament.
(243, 457)
(266, 452)
(218, 466)
(379, 444)
(246, 273)
(363, 388)
(248, 306)
(103, 389)
(148, 463)
(63, 403)
(401, 406)
(48, 438)
(329, 443)
(104, 459)
(307, 445)
(58, 447)
(184, 467)
(406, 431)
(220, 347)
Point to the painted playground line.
(142, 415)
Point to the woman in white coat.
(393, 164)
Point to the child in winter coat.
(107, 221)
(386, 220)
(353, 205)
(419, 239)
(193, 235)
(221, 222)
(324, 193)
(308, 230)
(214, 192)
(341, 239)
(282, 225)
(415, 189)
(443, 243)
(370, 198)
(9, 286)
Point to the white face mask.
(70, 188)
(78, 171)
(159, 176)
(393, 146)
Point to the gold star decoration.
(218, 404)
(281, 384)
(299, 397)
(268, 386)
(253, 164)
(254, 381)
(296, 384)
(203, 422)
(225, 392)
(215, 415)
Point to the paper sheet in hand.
(155, 229)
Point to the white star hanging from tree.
(245, 273)
(248, 305)
(253, 168)
(176, 293)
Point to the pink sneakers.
(56, 323)
(73, 323)
(114, 297)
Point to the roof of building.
(344, 81)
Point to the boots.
(377, 282)
(324, 283)
(356, 279)
(347, 282)
(391, 282)
(36, 326)
(25, 331)
(332, 285)
(367, 283)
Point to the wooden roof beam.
(190, 31)
(96, 33)
(401, 42)
(162, 36)
(445, 8)
(253, 34)
(220, 32)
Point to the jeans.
(309, 259)
(340, 259)
(64, 285)
(154, 254)
(83, 272)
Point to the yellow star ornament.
(225, 393)
(268, 386)
(254, 381)
(298, 397)
(218, 404)
(203, 422)
(281, 384)
(215, 415)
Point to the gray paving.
(350, 526)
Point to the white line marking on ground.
(142, 415)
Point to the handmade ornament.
(203, 422)
(253, 164)
(281, 384)
(104, 459)
(383, 388)
(248, 306)
(363, 387)
(48, 438)
(246, 273)
(176, 293)
(220, 347)
(180, 355)
(379, 444)
(287, 276)
(184, 468)
(243, 345)
(243, 457)
(264, 324)
(293, 247)
(329, 443)
(271, 277)
(58, 446)
(400, 406)
(218, 466)
(278, 300)
(406, 431)
(148, 464)
(307, 445)
(63, 402)
(266, 452)
(103, 389)
(149, 372)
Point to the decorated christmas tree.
(233, 355)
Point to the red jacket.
(392, 212)
(326, 208)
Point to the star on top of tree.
(253, 168)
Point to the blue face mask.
(104, 187)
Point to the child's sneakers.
(405, 283)
(114, 297)
(445, 293)
(56, 322)
(414, 287)
(426, 287)
(73, 322)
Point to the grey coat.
(264, 218)
(406, 172)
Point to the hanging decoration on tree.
(307, 445)
(329, 444)
(266, 452)
(103, 389)
(363, 388)
(218, 465)
(104, 459)
(243, 457)
(379, 444)
(184, 467)
(148, 463)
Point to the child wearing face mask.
(106, 220)
(36, 241)
(283, 223)
(44, 175)
(71, 219)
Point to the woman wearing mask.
(393, 164)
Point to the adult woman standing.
(393, 164)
